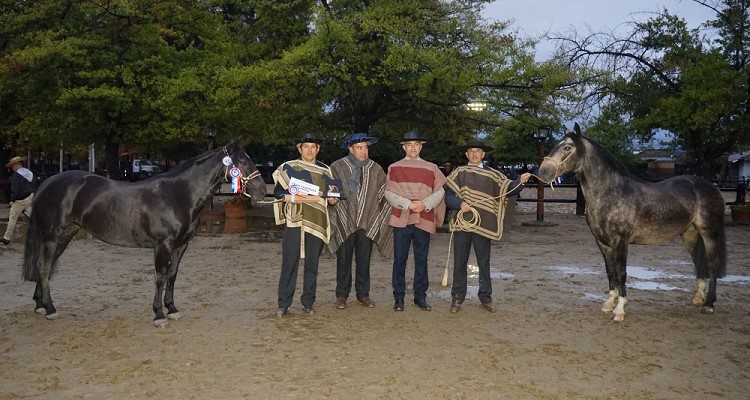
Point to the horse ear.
(231, 145)
(577, 129)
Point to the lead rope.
(464, 224)
(468, 224)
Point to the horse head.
(252, 183)
(566, 157)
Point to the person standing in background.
(22, 187)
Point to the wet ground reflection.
(252, 228)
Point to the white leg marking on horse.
(40, 310)
(620, 310)
(160, 323)
(174, 316)
(609, 305)
(700, 292)
(51, 316)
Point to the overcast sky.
(533, 18)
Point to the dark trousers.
(290, 255)
(403, 238)
(360, 246)
(462, 242)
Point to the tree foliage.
(664, 76)
(159, 73)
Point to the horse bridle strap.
(560, 163)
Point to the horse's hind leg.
(172, 312)
(51, 251)
(693, 243)
(713, 245)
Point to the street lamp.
(211, 133)
(476, 106)
(540, 137)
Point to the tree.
(386, 67)
(163, 72)
(664, 76)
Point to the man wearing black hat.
(306, 217)
(359, 221)
(414, 189)
(22, 188)
(480, 193)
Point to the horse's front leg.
(162, 261)
(172, 312)
(615, 260)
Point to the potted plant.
(237, 205)
(740, 213)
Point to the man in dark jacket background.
(22, 188)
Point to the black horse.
(622, 209)
(160, 213)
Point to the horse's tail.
(32, 252)
(721, 253)
(705, 267)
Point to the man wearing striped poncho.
(414, 189)
(360, 220)
(482, 191)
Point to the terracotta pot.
(235, 225)
(741, 217)
(235, 210)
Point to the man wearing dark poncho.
(360, 220)
(478, 189)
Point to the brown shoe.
(341, 303)
(489, 307)
(366, 301)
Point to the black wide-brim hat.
(358, 138)
(309, 138)
(413, 136)
(477, 144)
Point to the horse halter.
(560, 163)
(243, 179)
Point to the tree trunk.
(111, 150)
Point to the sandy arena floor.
(549, 340)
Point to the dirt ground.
(549, 339)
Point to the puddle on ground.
(472, 277)
(253, 228)
(644, 278)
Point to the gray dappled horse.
(160, 213)
(621, 209)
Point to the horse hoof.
(174, 316)
(160, 323)
(51, 316)
(618, 317)
(697, 301)
(40, 310)
(707, 310)
(608, 308)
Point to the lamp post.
(540, 136)
(211, 133)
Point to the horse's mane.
(190, 163)
(609, 160)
